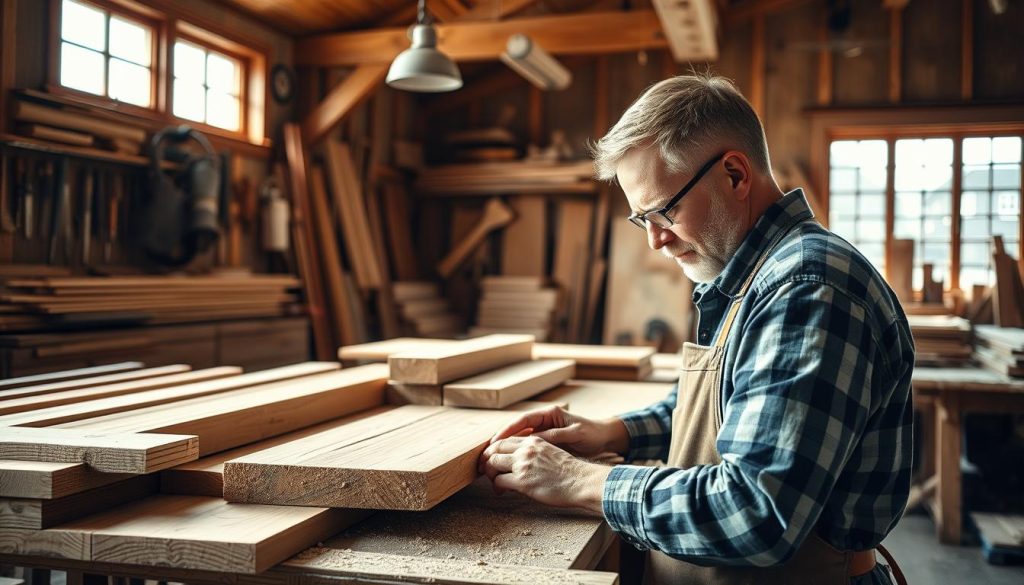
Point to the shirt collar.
(783, 214)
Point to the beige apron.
(696, 421)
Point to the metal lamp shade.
(421, 67)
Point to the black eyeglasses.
(659, 217)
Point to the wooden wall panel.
(863, 79)
(790, 83)
(931, 51)
(572, 110)
(998, 57)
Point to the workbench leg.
(928, 454)
(948, 436)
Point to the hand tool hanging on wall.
(47, 195)
(88, 186)
(7, 224)
(181, 215)
(61, 199)
(27, 196)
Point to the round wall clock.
(282, 83)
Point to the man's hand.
(578, 435)
(542, 471)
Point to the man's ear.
(740, 173)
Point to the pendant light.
(421, 67)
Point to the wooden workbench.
(944, 396)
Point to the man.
(788, 437)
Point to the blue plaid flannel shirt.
(817, 414)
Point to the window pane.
(975, 253)
(129, 83)
(871, 230)
(873, 178)
(976, 177)
(977, 228)
(130, 41)
(938, 204)
(1007, 202)
(907, 229)
(842, 180)
(189, 63)
(936, 228)
(843, 227)
(222, 110)
(972, 275)
(871, 204)
(844, 153)
(189, 100)
(938, 151)
(977, 151)
(81, 69)
(908, 204)
(1006, 149)
(1006, 176)
(842, 206)
(83, 25)
(222, 74)
(974, 203)
(1005, 226)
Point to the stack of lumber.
(75, 126)
(94, 447)
(1008, 291)
(1000, 349)
(515, 304)
(155, 299)
(423, 311)
(940, 340)
(506, 178)
(484, 145)
(601, 362)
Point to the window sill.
(151, 120)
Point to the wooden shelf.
(518, 177)
(85, 152)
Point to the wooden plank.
(571, 251)
(399, 227)
(595, 355)
(571, 34)
(399, 394)
(600, 399)
(524, 249)
(496, 215)
(229, 419)
(52, 399)
(376, 463)
(110, 452)
(45, 543)
(378, 351)
(40, 514)
(205, 476)
(351, 209)
(901, 269)
(504, 386)
(201, 533)
(306, 256)
(438, 365)
(93, 381)
(337, 295)
(341, 100)
(46, 480)
(66, 375)
(94, 408)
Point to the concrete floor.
(926, 562)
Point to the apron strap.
(730, 317)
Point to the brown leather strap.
(896, 572)
(862, 562)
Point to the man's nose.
(657, 236)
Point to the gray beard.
(721, 238)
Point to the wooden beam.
(757, 66)
(341, 100)
(110, 452)
(41, 514)
(230, 419)
(207, 534)
(376, 463)
(602, 399)
(93, 408)
(572, 34)
(826, 64)
(378, 351)
(93, 381)
(337, 292)
(496, 9)
(967, 51)
(499, 388)
(496, 215)
(66, 375)
(747, 9)
(895, 55)
(47, 480)
(441, 364)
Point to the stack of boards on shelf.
(941, 340)
(515, 304)
(1000, 349)
(593, 362)
(424, 312)
(150, 299)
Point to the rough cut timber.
(205, 476)
(32, 403)
(230, 419)
(399, 394)
(94, 408)
(40, 514)
(443, 364)
(378, 351)
(409, 458)
(110, 452)
(191, 532)
(93, 381)
(65, 375)
(46, 480)
(504, 386)
(598, 399)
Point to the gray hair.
(680, 115)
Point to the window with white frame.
(207, 86)
(106, 54)
(857, 177)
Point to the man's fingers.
(535, 419)
(506, 482)
(499, 463)
(557, 436)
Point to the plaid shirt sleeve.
(807, 361)
(650, 429)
